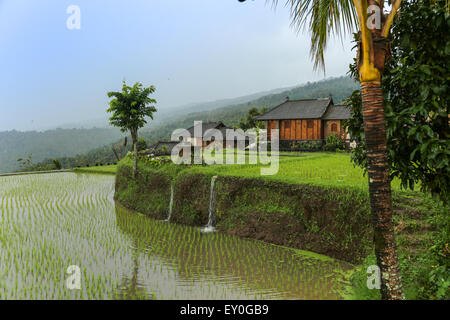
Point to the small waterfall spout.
(212, 208)
(170, 203)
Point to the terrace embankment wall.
(330, 221)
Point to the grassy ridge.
(325, 219)
(319, 168)
(111, 169)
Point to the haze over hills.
(167, 113)
(340, 88)
(78, 138)
(51, 144)
(205, 106)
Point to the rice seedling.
(51, 221)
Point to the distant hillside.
(340, 88)
(50, 144)
(168, 113)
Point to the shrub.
(141, 145)
(57, 164)
(334, 143)
(309, 145)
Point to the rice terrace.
(51, 221)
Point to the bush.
(57, 164)
(309, 145)
(334, 143)
(141, 144)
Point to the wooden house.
(206, 138)
(203, 140)
(307, 119)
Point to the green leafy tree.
(415, 86)
(129, 109)
(334, 142)
(250, 120)
(141, 144)
(57, 164)
(27, 163)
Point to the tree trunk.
(135, 161)
(134, 137)
(115, 153)
(380, 190)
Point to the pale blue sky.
(192, 51)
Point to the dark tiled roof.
(337, 112)
(209, 125)
(159, 146)
(167, 144)
(298, 109)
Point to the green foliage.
(438, 284)
(154, 161)
(358, 280)
(284, 209)
(416, 86)
(27, 165)
(276, 212)
(130, 107)
(307, 146)
(249, 121)
(110, 169)
(422, 234)
(156, 171)
(141, 144)
(318, 168)
(57, 164)
(52, 144)
(333, 143)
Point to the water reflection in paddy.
(51, 221)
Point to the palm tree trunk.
(380, 190)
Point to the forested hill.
(51, 144)
(340, 88)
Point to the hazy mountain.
(204, 106)
(340, 88)
(165, 113)
(86, 124)
(50, 144)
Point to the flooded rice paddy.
(49, 222)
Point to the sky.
(190, 50)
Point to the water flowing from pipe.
(212, 208)
(170, 203)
